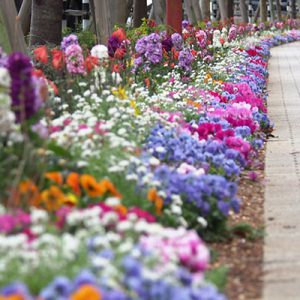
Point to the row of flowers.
(115, 158)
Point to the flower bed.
(115, 160)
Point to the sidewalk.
(282, 196)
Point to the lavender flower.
(25, 101)
(177, 41)
(186, 59)
(69, 40)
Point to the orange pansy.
(86, 292)
(110, 188)
(73, 181)
(156, 199)
(55, 176)
(29, 192)
(121, 209)
(12, 297)
(53, 198)
(91, 186)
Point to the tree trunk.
(193, 10)
(244, 11)
(198, 12)
(8, 16)
(278, 9)
(272, 12)
(46, 18)
(223, 5)
(263, 10)
(108, 13)
(25, 16)
(293, 9)
(205, 9)
(139, 12)
(159, 11)
(256, 14)
(230, 7)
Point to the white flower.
(4, 77)
(116, 77)
(112, 201)
(38, 216)
(100, 51)
(202, 222)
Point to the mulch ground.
(244, 257)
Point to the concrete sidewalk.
(282, 196)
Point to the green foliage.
(218, 277)
(4, 40)
(247, 231)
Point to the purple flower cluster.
(212, 155)
(74, 59)
(177, 41)
(69, 40)
(185, 59)
(209, 193)
(25, 100)
(150, 47)
(233, 31)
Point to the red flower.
(38, 73)
(120, 34)
(57, 59)
(116, 68)
(91, 62)
(41, 54)
(119, 54)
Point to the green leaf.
(218, 277)
(59, 151)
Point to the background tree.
(244, 11)
(223, 6)
(158, 11)
(46, 19)
(272, 12)
(205, 9)
(25, 16)
(293, 9)
(263, 10)
(278, 10)
(139, 12)
(11, 31)
(193, 11)
(109, 13)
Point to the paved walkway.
(282, 205)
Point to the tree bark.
(12, 26)
(198, 12)
(46, 18)
(278, 9)
(223, 5)
(230, 8)
(108, 13)
(263, 10)
(244, 11)
(205, 9)
(293, 9)
(139, 12)
(194, 9)
(25, 16)
(271, 4)
(159, 11)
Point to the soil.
(244, 257)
